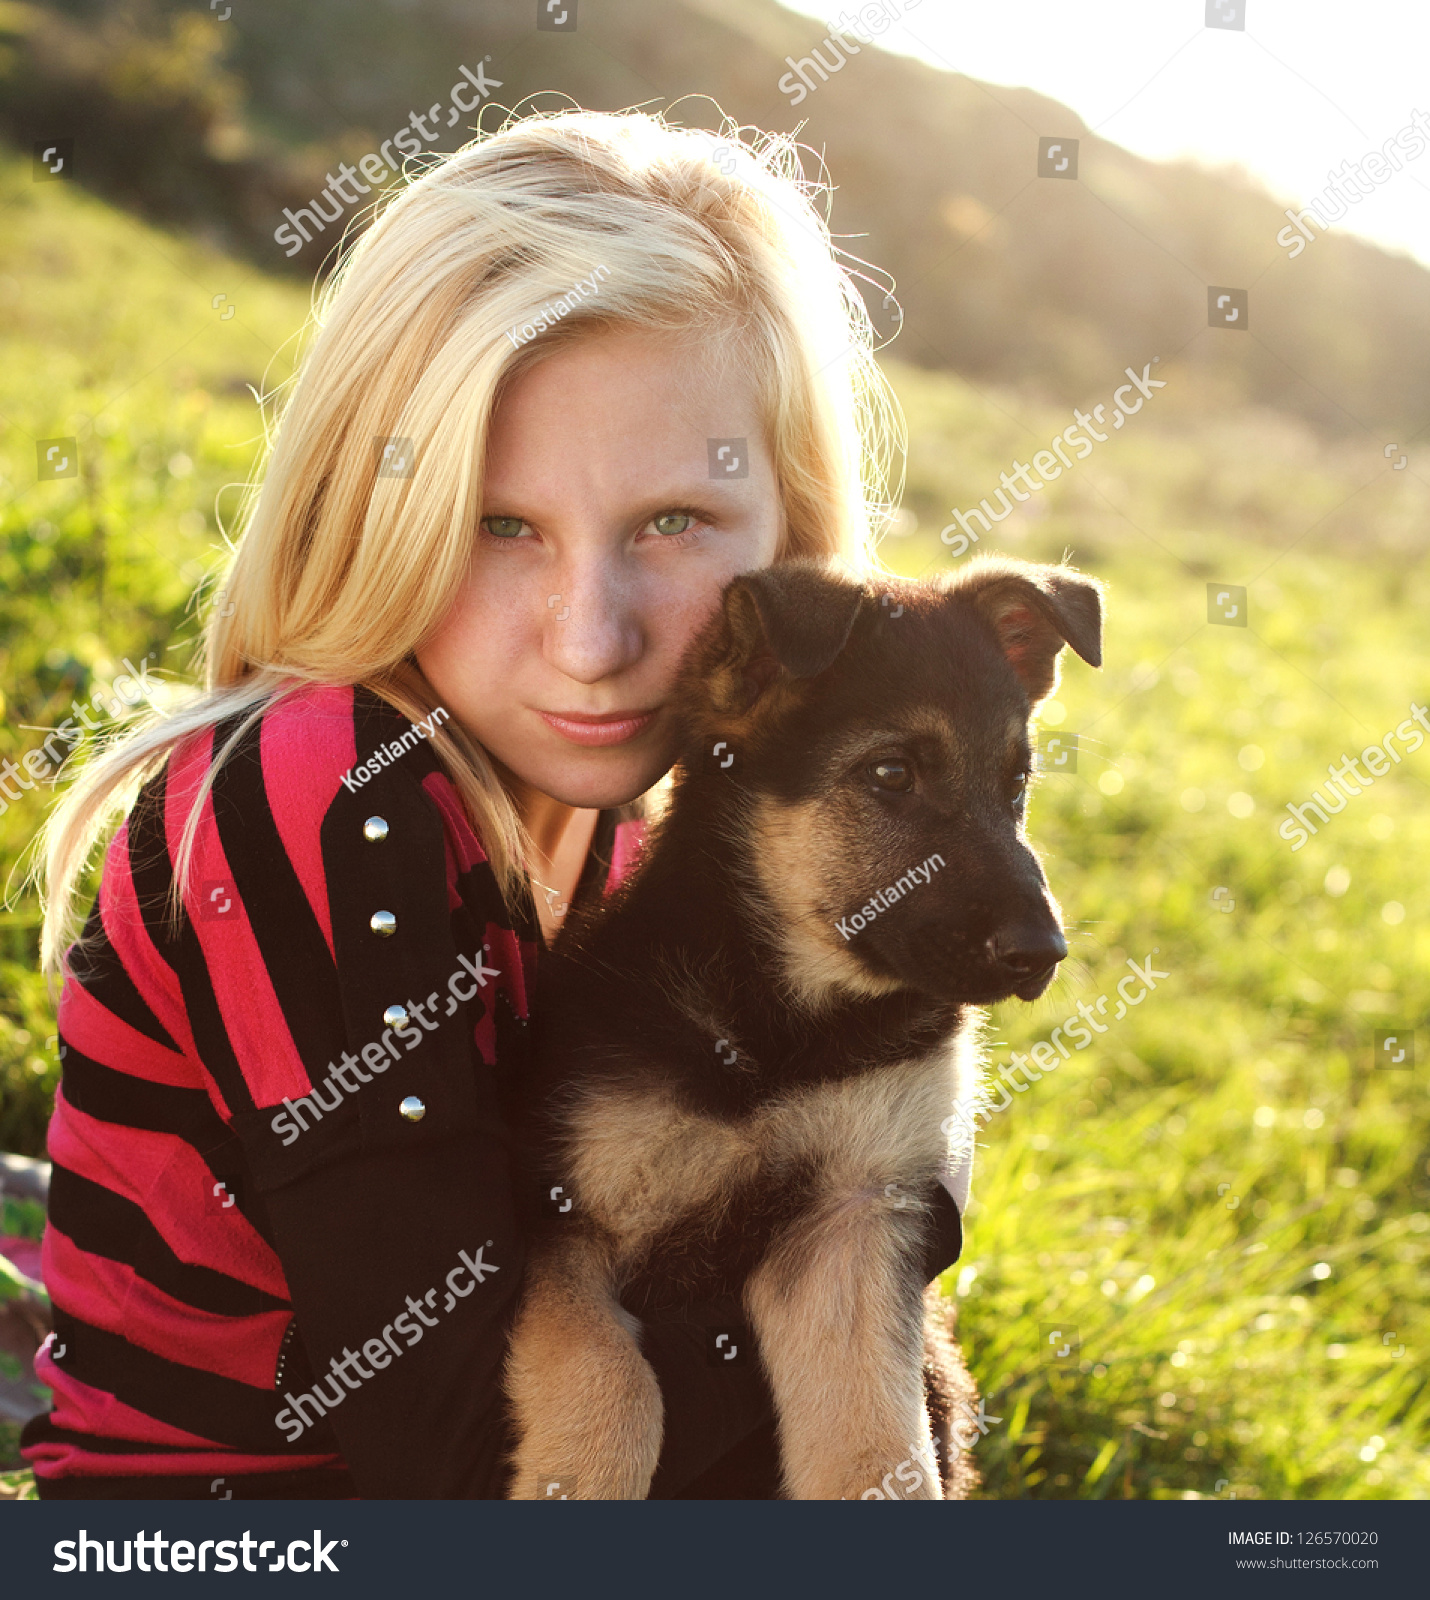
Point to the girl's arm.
(384, 1172)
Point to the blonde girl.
(572, 380)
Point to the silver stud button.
(375, 829)
(413, 1109)
(395, 1017)
(383, 922)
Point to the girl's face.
(605, 540)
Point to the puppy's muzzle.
(1023, 956)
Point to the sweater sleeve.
(378, 1157)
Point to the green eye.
(671, 522)
(503, 527)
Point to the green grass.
(1103, 1193)
(1222, 1194)
(1106, 1191)
(16, 1482)
(108, 336)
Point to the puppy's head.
(865, 753)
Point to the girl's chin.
(604, 779)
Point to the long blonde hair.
(340, 573)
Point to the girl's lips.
(597, 730)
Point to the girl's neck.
(546, 821)
(561, 836)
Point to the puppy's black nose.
(1027, 947)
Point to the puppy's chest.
(645, 1164)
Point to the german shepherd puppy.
(745, 1055)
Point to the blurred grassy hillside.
(217, 118)
(1221, 1196)
(108, 336)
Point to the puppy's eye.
(1018, 793)
(895, 777)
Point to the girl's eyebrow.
(731, 495)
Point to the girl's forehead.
(654, 367)
(627, 407)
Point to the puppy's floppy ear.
(1035, 610)
(784, 622)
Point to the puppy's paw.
(904, 1472)
(584, 1477)
(591, 1422)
